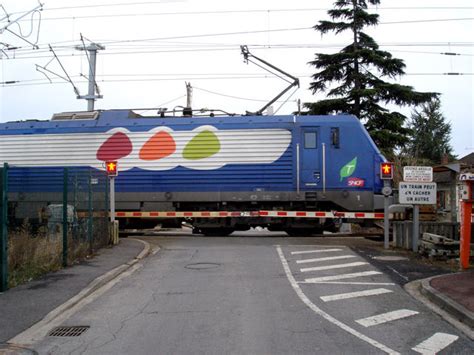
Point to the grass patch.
(36, 249)
(30, 257)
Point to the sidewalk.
(27, 304)
(454, 293)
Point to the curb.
(95, 285)
(414, 288)
(457, 310)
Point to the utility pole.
(93, 88)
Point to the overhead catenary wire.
(266, 31)
(261, 10)
(230, 96)
(222, 12)
(25, 55)
(40, 82)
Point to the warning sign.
(417, 193)
(418, 173)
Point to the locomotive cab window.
(310, 140)
(335, 137)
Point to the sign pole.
(417, 188)
(416, 227)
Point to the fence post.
(65, 215)
(90, 213)
(3, 227)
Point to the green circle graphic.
(203, 145)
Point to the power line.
(189, 13)
(377, 8)
(40, 82)
(175, 49)
(229, 96)
(427, 20)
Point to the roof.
(468, 159)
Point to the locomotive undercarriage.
(225, 226)
(227, 201)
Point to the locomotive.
(212, 163)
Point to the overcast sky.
(153, 47)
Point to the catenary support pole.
(92, 57)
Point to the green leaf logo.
(348, 169)
(202, 146)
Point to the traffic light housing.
(386, 171)
(111, 168)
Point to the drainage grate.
(71, 331)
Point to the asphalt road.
(262, 294)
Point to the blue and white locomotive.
(234, 163)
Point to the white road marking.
(325, 259)
(343, 296)
(313, 251)
(343, 276)
(348, 283)
(329, 267)
(325, 315)
(435, 343)
(386, 317)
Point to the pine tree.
(357, 71)
(430, 134)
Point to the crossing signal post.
(386, 171)
(386, 174)
(111, 168)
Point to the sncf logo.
(355, 182)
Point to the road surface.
(256, 295)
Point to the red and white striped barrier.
(225, 214)
(332, 214)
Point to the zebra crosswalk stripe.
(314, 251)
(343, 276)
(343, 296)
(325, 259)
(435, 343)
(330, 267)
(386, 317)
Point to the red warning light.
(386, 171)
(111, 168)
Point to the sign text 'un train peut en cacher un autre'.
(417, 187)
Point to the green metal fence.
(52, 217)
(3, 228)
